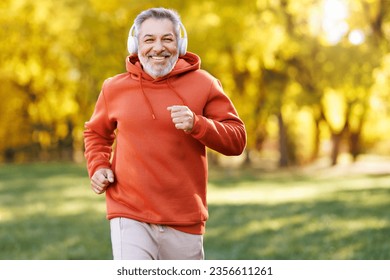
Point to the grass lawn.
(47, 211)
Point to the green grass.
(47, 211)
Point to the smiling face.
(157, 47)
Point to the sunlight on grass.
(254, 193)
(272, 191)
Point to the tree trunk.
(354, 145)
(336, 143)
(283, 143)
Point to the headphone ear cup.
(132, 45)
(132, 42)
(183, 41)
(183, 46)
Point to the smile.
(158, 58)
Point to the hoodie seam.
(105, 102)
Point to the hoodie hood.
(187, 63)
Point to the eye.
(149, 40)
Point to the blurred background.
(310, 79)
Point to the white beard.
(157, 72)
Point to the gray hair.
(158, 13)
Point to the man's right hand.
(101, 180)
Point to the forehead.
(156, 27)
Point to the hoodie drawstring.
(147, 99)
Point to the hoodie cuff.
(98, 166)
(199, 128)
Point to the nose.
(158, 46)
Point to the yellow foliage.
(269, 56)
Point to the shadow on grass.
(230, 178)
(326, 229)
(41, 170)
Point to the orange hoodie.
(161, 172)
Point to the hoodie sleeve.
(99, 137)
(220, 127)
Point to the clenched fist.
(182, 117)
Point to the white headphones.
(132, 41)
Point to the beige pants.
(133, 240)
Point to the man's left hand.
(182, 117)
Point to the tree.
(293, 85)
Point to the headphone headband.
(132, 41)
